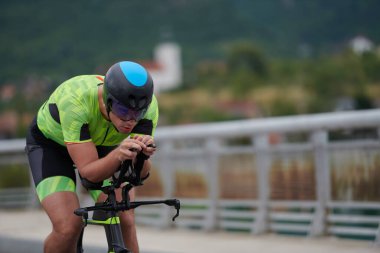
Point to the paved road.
(25, 231)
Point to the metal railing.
(311, 201)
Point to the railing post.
(212, 158)
(261, 147)
(377, 237)
(323, 183)
(167, 173)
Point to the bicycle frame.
(108, 219)
(106, 213)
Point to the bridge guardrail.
(208, 149)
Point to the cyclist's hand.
(149, 147)
(129, 148)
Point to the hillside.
(64, 38)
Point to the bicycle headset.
(127, 90)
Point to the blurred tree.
(211, 75)
(371, 66)
(335, 77)
(246, 67)
(282, 107)
(245, 56)
(241, 82)
(363, 102)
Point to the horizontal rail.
(354, 205)
(353, 218)
(293, 204)
(291, 216)
(352, 231)
(237, 202)
(289, 227)
(290, 124)
(237, 214)
(227, 224)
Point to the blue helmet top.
(129, 84)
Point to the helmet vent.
(132, 101)
(142, 102)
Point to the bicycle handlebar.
(131, 174)
(123, 206)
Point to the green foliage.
(318, 104)
(66, 38)
(246, 68)
(283, 107)
(211, 115)
(14, 176)
(244, 56)
(211, 75)
(339, 76)
(363, 101)
(186, 113)
(287, 71)
(241, 83)
(238, 46)
(371, 66)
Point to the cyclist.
(91, 123)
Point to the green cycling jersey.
(72, 115)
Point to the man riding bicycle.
(90, 123)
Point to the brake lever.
(177, 205)
(176, 215)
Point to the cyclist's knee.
(69, 229)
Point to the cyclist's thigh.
(56, 188)
(51, 166)
(51, 172)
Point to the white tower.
(168, 75)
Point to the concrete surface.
(24, 231)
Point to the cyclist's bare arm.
(92, 168)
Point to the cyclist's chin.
(124, 130)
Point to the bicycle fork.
(112, 227)
(111, 223)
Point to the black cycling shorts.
(52, 168)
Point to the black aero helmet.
(128, 84)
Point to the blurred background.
(214, 61)
(256, 58)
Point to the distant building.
(361, 44)
(166, 67)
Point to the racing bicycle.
(106, 214)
